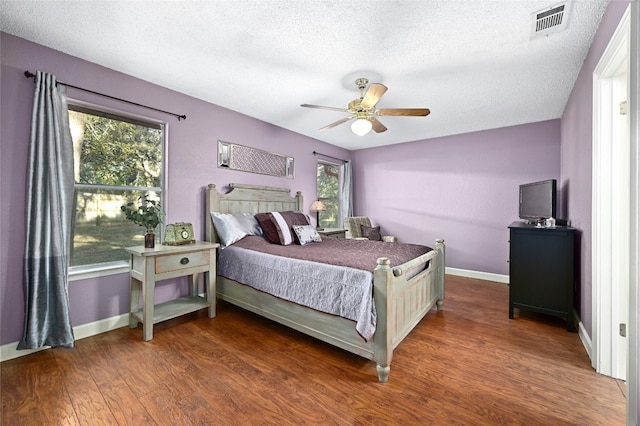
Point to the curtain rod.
(29, 74)
(329, 156)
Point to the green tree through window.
(117, 159)
(328, 191)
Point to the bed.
(402, 294)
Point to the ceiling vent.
(550, 20)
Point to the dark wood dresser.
(541, 270)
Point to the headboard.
(248, 199)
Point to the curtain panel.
(50, 192)
(346, 192)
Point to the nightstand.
(148, 265)
(333, 232)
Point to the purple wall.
(191, 166)
(462, 188)
(576, 135)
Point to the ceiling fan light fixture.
(361, 126)
(364, 112)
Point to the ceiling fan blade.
(325, 107)
(378, 127)
(407, 112)
(337, 123)
(373, 95)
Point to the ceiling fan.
(363, 110)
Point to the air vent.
(549, 21)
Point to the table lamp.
(317, 206)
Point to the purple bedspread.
(334, 276)
(357, 254)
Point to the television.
(538, 200)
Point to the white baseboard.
(585, 339)
(478, 275)
(9, 350)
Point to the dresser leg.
(571, 324)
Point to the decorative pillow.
(372, 233)
(233, 227)
(284, 221)
(306, 234)
(268, 227)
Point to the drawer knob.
(184, 260)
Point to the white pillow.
(248, 223)
(234, 227)
(306, 234)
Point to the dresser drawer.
(175, 262)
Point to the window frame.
(338, 195)
(94, 270)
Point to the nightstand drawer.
(175, 262)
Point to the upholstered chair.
(356, 224)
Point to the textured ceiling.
(473, 63)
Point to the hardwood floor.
(466, 365)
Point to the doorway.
(611, 204)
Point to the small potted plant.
(146, 214)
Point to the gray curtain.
(49, 211)
(346, 192)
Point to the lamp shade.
(317, 206)
(361, 126)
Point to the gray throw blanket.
(336, 290)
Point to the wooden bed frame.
(400, 302)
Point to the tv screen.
(538, 200)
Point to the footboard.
(403, 295)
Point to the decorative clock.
(176, 234)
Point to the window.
(328, 189)
(117, 159)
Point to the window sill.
(77, 273)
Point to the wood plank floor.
(466, 365)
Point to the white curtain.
(346, 192)
(49, 211)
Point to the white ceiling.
(473, 63)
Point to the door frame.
(610, 201)
(633, 396)
(627, 32)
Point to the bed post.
(212, 192)
(300, 201)
(441, 269)
(383, 346)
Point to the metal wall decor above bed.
(243, 158)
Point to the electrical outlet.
(623, 330)
(623, 108)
